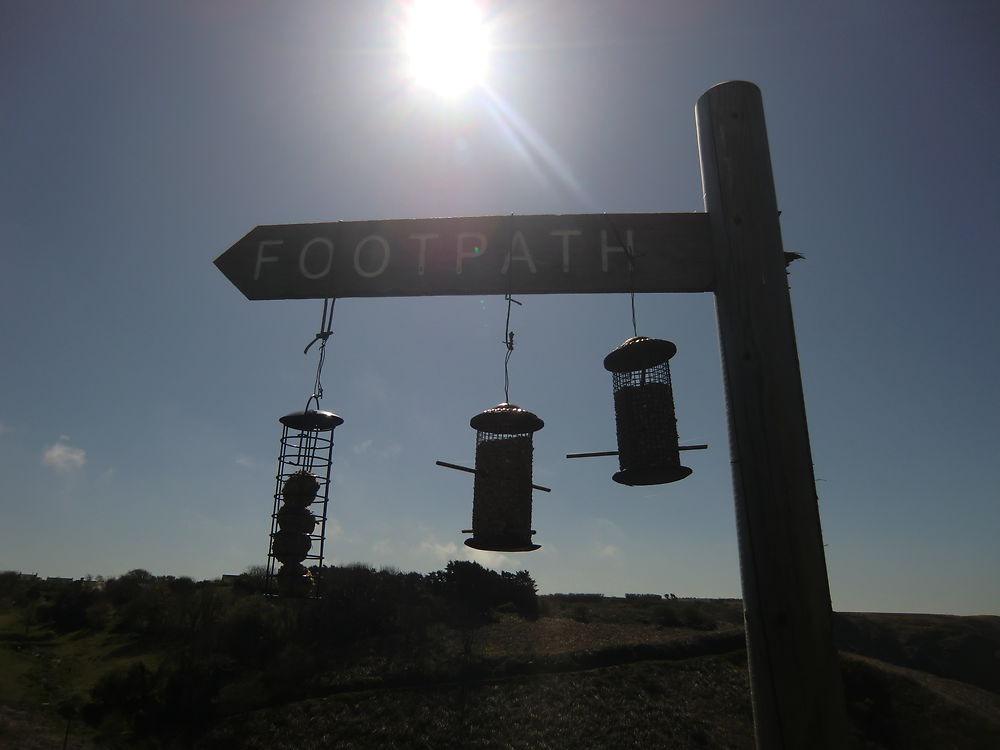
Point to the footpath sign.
(474, 255)
(733, 250)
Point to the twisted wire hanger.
(325, 331)
(630, 254)
(509, 343)
(508, 340)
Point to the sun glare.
(447, 44)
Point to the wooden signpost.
(733, 250)
(474, 255)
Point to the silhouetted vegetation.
(227, 648)
(463, 656)
(473, 592)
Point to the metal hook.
(321, 336)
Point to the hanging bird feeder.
(301, 496)
(302, 486)
(648, 451)
(501, 500)
(501, 497)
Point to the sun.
(447, 43)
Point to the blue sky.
(141, 391)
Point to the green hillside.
(459, 658)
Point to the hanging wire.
(508, 340)
(630, 254)
(509, 343)
(326, 323)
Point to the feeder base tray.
(651, 475)
(500, 546)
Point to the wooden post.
(795, 683)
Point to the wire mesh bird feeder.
(301, 496)
(645, 421)
(501, 496)
(302, 486)
(501, 499)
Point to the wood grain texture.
(795, 680)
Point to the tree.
(473, 591)
(253, 580)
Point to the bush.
(69, 606)
(177, 700)
(681, 614)
(124, 697)
(253, 580)
(252, 630)
(473, 591)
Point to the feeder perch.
(501, 504)
(301, 496)
(645, 421)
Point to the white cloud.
(391, 450)
(489, 559)
(382, 547)
(373, 385)
(441, 553)
(244, 461)
(64, 457)
(382, 451)
(607, 540)
(607, 551)
(604, 527)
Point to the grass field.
(692, 703)
(611, 677)
(43, 672)
(591, 672)
(41, 667)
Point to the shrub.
(68, 607)
(473, 591)
(681, 614)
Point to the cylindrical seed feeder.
(501, 504)
(301, 496)
(645, 421)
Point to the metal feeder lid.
(646, 475)
(639, 353)
(502, 546)
(321, 421)
(506, 419)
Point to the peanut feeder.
(301, 496)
